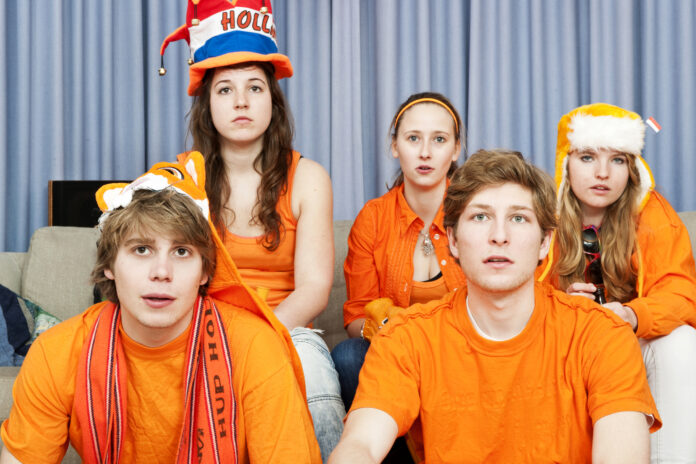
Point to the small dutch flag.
(653, 124)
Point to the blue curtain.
(80, 96)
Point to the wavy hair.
(458, 134)
(617, 236)
(272, 163)
(153, 212)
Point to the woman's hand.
(582, 289)
(624, 312)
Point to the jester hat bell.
(228, 32)
(601, 125)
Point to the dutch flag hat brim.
(281, 63)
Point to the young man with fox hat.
(172, 368)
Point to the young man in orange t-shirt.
(505, 370)
(161, 372)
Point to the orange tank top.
(271, 273)
(422, 292)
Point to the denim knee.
(348, 357)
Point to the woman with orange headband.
(397, 249)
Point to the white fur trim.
(626, 135)
(121, 197)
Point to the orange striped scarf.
(209, 434)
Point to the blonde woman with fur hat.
(620, 243)
(272, 207)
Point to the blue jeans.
(323, 389)
(349, 356)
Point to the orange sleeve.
(668, 274)
(277, 423)
(360, 268)
(389, 378)
(612, 365)
(38, 426)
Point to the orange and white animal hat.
(601, 125)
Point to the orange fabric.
(422, 292)
(273, 271)
(227, 284)
(666, 284)
(533, 398)
(101, 390)
(380, 254)
(270, 401)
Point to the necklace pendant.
(428, 247)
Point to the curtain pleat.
(81, 99)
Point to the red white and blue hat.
(227, 32)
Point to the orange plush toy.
(377, 313)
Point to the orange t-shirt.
(273, 423)
(533, 398)
(272, 271)
(380, 254)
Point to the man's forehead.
(509, 195)
(149, 236)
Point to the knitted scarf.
(209, 433)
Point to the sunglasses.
(593, 252)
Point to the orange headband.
(431, 100)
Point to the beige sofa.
(54, 273)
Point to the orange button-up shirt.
(380, 254)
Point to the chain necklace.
(427, 245)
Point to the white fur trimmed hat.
(600, 125)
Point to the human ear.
(109, 275)
(545, 245)
(204, 279)
(395, 153)
(452, 242)
(457, 150)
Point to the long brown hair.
(459, 129)
(272, 163)
(617, 236)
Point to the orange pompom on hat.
(227, 32)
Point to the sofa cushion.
(11, 265)
(57, 269)
(331, 320)
(689, 219)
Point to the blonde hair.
(165, 212)
(617, 237)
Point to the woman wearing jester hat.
(272, 206)
(620, 243)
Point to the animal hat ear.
(189, 181)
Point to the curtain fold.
(80, 96)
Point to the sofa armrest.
(57, 269)
(689, 220)
(11, 266)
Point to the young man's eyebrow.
(139, 241)
(486, 207)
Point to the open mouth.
(424, 169)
